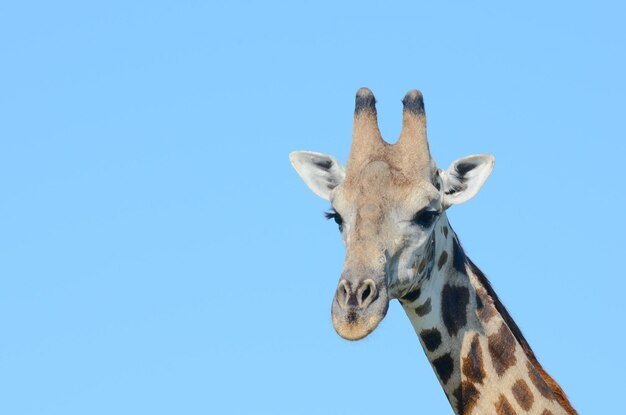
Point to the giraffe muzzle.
(359, 305)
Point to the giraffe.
(390, 204)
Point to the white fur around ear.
(322, 173)
(465, 177)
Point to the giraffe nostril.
(343, 294)
(367, 293)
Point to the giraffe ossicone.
(390, 203)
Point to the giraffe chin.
(354, 324)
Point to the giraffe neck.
(476, 350)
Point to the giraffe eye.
(425, 217)
(332, 214)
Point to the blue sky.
(159, 255)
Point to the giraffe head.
(387, 201)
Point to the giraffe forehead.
(375, 173)
(379, 182)
(383, 169)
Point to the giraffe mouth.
(356, 329)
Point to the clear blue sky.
(158, 254)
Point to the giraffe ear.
(465, 177)
(322, 173)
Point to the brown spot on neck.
(466, 396)
(501, 347)
(503, 407)
(539, 383)
(523, 395)
(423, 309)
(473, 365)
(485, 310)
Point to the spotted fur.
(454, 301)
(523, 395)
(423, 309)
(473, 364)
(539, 383)
(466, 397)
(502, 349)
(484, 364)
(560, 396)
(412, 296)
(503, 407)
(431, 339)
(444, 366)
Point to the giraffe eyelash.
(332, 214)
